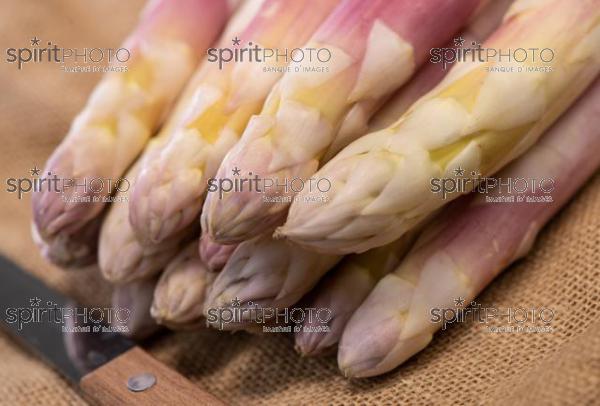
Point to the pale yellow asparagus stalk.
(472, 241)
(367, 50)
(122, 113)
(169, 190)
(342, 291)
(472, 124)
(179, 294)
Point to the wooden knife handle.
(107, 385)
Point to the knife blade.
(80, 344)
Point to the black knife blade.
(53, 326)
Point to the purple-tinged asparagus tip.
(380, 334)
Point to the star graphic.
(459, 301)
(459, 41)
(459, 171)
(35, 302)
(35, 171)
(236, 171)
(35, 41)
(236, 41)
(236, 302)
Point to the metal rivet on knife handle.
(141, 382)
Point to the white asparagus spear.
(179, 295)
(267, 273)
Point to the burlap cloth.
(464, 365)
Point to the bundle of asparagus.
(122, 113)
(367, 42)
(276, 274)
(475, 119)
(123, 258)
(193, 143)
(479, 118)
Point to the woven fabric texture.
(466, 364)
